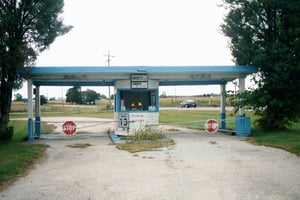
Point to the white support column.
(30, 110)
(242, 89)
(223, 106)
(242, 123)
(37, 111)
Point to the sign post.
(211, 126)
(69, 128)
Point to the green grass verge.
(288, 140)
(68, 112)
(17, 156)
(146, 140)
(194, 119)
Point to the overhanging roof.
(166, 75)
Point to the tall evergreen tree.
(266, 34)
(27, 27)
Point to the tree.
(266, 34)
(89, 96)
(74, 95)
(27, 27)
(18, 97)
(102, 96)
(43, 100)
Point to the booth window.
(138, 100)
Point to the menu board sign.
(139, 77)
(140, 85)
(139, 81)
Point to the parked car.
(188, 104)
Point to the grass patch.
(48, 128)
(17, 157)
(134, 147)
(81, 146)
(193, 119)
(288, 140)
(107, 115)
(147, 139)
(172, 129)
(147, 133)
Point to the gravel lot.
(199, 166)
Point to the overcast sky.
(140, 33)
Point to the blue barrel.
(242, 126)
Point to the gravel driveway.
(199, 166)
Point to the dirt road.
(199, 166)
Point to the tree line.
(76, 96)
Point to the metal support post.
(30, 111)
(223, 107)
(37, 112)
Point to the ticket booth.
(136, 104)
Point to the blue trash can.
(242, 126)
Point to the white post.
(37, 101)
(242, 89)
(29, 103)
(242, 124)
(30, 110)
(37, 111)
(223, 106)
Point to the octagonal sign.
(69, 128)
(211, 126)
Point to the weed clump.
(147, 139)
(148, 133)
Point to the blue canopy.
(166, 75)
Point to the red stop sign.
(69, 128)
(211, 126)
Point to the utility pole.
(109, 57)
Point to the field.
(59, 106)
(201, 101)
